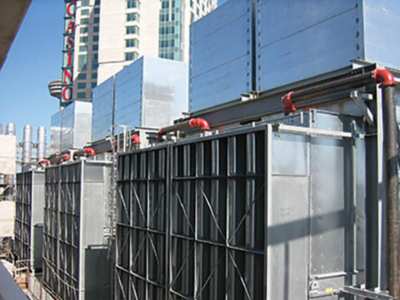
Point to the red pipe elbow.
(89, 151)
(135, 139)
(199, 123)
(384, 76)
(66, 157)
(288, 105)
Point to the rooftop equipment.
(29, 220)
(76, 260)
(247, 47)
(149, 93)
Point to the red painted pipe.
(199, 123)
(135, 139)
(384, 76)
(288, 106)
(89, 151)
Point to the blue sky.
(33, 60)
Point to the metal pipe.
(193, 123)
(27, 144)
(135, 139)
(392, 189)
(10, 129)
(290, 99)
(41, 143)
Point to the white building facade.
(130, 29)
(110, 34)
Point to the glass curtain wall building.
(86, 49)
(175, 19)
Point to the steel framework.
(75, 219)
(29, 219)
(259, 212)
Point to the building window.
(85, 12)
(94, 84)
(131, 56)
(132, 17)
(97, 10)
(132, 29)
(84, 2)
(96, 29)
(132, 4)
(81, 95)
(84, 29)
(83, 39)
(85, 21)
(82, 76)
(81, 85)
(132, 43)
(96, 20)
(95, 38)
(95, 47)
(83, 49)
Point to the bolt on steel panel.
(251, 214)
(29, 213)
(297, 40)
(221, 55)
(76, 196)
(141, 244)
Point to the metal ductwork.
(10, 129)
(27, 145)
(41, 143)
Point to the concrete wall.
(8, 151)
(7, 218)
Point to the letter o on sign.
(66, 93)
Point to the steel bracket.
(359, 99)
(365, 294)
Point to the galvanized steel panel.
(234, 220)
(221, 50)
(149, 93)
(301, 39)
(29, 206)
(102, 117)
(71, 127)
(75, 217)
(297, 40)
(381, 25)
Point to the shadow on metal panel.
(97, 273)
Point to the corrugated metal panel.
(221, 50)
(250, 214)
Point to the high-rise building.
(133, 28)
(103, 36)
(86, 48)
(81, 45)
(175, 19)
